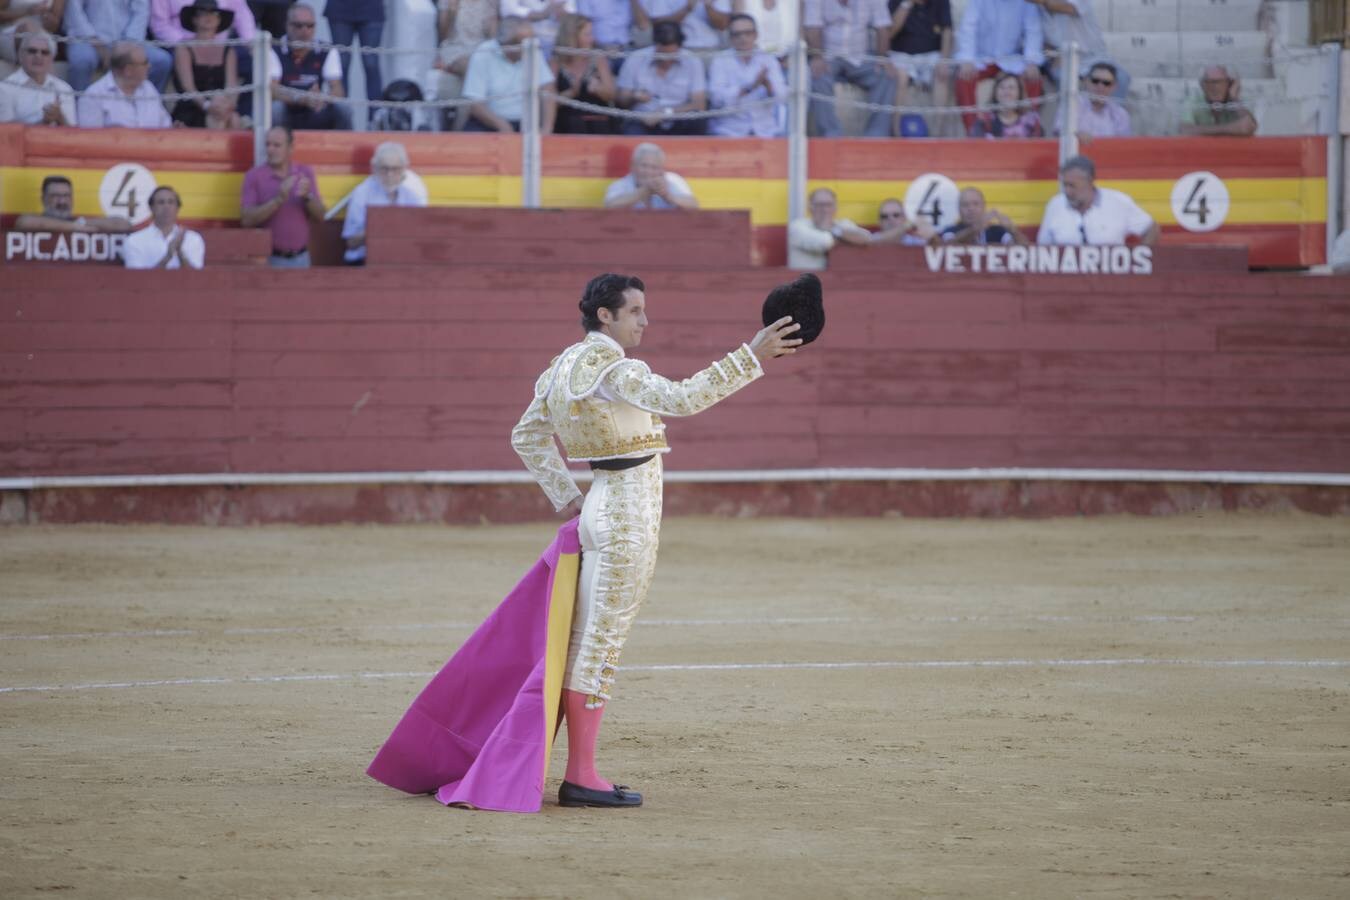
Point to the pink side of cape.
(476, 733)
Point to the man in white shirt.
(742, 76)
(33, 95)
(164, 244)
(388, 185)
(811, 238)
(648, 185)
(1086, 214)
(124, 98)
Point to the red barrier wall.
(108, 371)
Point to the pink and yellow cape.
(481, 731)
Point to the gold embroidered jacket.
(603, 405)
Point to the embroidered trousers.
(620, 528)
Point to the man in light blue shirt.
(998, 36)
(95, 25)
(744, 76)
(495, 81)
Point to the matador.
(606, 410)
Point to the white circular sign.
(1200, 201)
(933, 199)
(126, 191)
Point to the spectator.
(58, 204)
(1099, 113)
(123, 98)
(95, 26)
(997, 36)
(496, 82)
(270, 15)
(613, 21)
(164, 244)
(741, 76)
(897, 228)
(777, 21)
(544, 16)
(979, 225)
(388, 185)
(33, 95)
(837, 33)
(921, 48)
(812, 237)
(1065, 22)
(303, 76)
(581, 77)
(462, 25)
(18, 17)
(282, 195)
(648, 185)
(206, 68)
(701, 21)
(1340, 254)
(363, 20)
(660, 88)
(1086, 214)
(168, 24)
(1221, 112)
(1010, 117)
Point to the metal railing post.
(529, 130)
(262, 99)
(1334, 130)
(1068, 100)
(798, 99)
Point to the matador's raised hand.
(773, 340)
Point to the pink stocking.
(583, 727)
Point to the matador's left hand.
(773, 340)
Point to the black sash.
(618, 465)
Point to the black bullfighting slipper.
(574, 795)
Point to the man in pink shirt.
(283, 196)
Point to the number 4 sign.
(932, 198)
(1200, 201)
(126, 191)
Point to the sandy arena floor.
(1073, 708)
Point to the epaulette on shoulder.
(589, 367)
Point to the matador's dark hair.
(605, 292)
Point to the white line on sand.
(717, 667)
(678, 623)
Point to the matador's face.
(626, 325)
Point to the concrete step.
(1171, 54)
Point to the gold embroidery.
(593, 359)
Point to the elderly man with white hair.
(648, 185)
(1219, 111)
(390, 184)
(33, 95)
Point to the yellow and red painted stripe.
(1277, 186)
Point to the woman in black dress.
(583, 77)
(206, 67)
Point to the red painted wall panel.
(115, 372)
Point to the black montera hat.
(187, 14)
(802, 299)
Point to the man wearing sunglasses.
(1099, 113)
(33, 95)
(742, 76)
